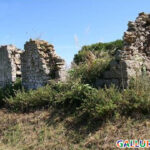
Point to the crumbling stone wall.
(134, 59)
(10, 64)
(40, 64)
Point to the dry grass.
(54, 130)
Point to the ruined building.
(39, 64)
(134, 59)
(36, 65)
(9, 64)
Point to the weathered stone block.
(40, 64)
(9, 64)
(134, 59)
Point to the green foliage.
(73, 94)
(9, 90)
(89, 72)
(112, 101)
(27, 100)
(98, 49)
(60, 95)
(64, 94)
(104, 104)
(79, 98)
(137, 96)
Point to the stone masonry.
(10, 64)
(134, 59)
(39, 64)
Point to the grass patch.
(51, 130)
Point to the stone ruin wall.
(39, 64)
(36, 65)
(134, 59)
(10, 64)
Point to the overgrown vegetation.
(78, 117)
(91, 61)
(27, 100)
(98, 50)
(9, 90)
(77, 97)
(90, 71)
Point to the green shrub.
(67, 96)
(9, 90)
(97, 50)
(77, 97)
(111, 101)
(73, 94)
(103, 104)
(26, 100)
(90, 72)
(137, 96)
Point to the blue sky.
(68, 24)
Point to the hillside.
(74, 75)
(76, 112)
(49, 130)
(74, 115)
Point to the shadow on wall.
(6, 63)
(116, 74)
(33, 70)
(39, 64)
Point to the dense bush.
(104, 104)
(9, 90)
(74, 96)
(112, 101)
(137, 96)
(97, 50)
(91, 71)
(27, 100)
(60, 95)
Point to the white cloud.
(76, 41)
